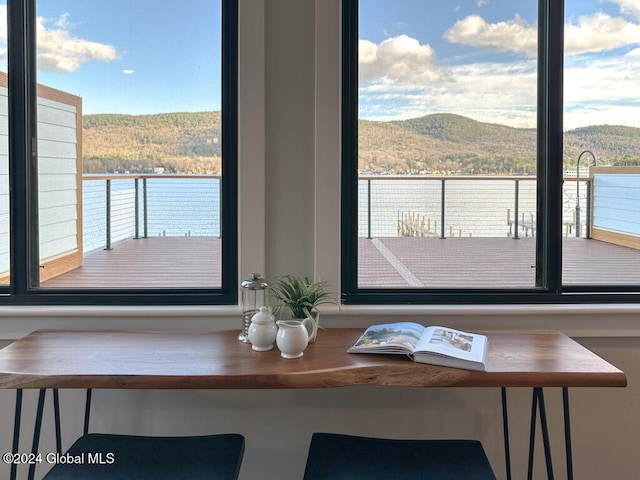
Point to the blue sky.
(472, 57)
(478, 58)
(130, 56)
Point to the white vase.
(292, 337)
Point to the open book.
(437, 345)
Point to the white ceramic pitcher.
(293, 337)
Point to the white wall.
(289, 209)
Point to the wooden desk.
(172, 360)
(52, 359)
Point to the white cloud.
(596, 92)
(128, 72)
(599, 89)
(514, 35)
(602, 91)
(631, 7)
(399, 59)
(598, 33)
(58, 51)
(399, 79)
(490, 92)
(63, 21)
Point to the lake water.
(476, 208)
(175, 207)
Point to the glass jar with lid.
(253, 295)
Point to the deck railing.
(118, 206)
(431, 205)
(121, 206)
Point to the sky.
(129, 56)
(478, 58)
(471, 57)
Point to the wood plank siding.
(59, 180)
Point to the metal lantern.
(253, 296)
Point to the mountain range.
(447, 143)
(187, 142)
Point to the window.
(132, 108)
(454, 125)
(601, 131)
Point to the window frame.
(549, 288)
(21, 20)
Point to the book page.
(453, 343)
(392, 337)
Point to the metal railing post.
(516, 207)
(137, 208)
(220, 202)
(369, 208)
(108, 201)
(442, 203)
(593, 164)
(578, 208)
(588, 219)
(145, 210)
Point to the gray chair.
(97, 456)
(342, 457)
(119, 457)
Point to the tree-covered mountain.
(447, 143)
(433, 144)
(613, 144)
(183, 142)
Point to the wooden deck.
(155, 262)
(489, 263)
(385, 262)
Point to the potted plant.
(301, 296)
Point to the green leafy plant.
(301, 295)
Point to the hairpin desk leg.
(87, 411)
(505, 429)
(36, 432)
(567, 432)
(538, 405)
(16, 433)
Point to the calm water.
(472, 207)
(175, 207)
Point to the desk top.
(179, 360)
